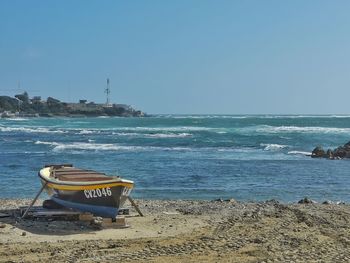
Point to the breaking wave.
(17, 119)
(87, 146)
(299, 153)
(272, 146)
(91, 146)
(206, 116)
(47, 143)
(88, 131)
(30, 130)
(167, 129)
(291, 129)
(158, 132)
(154, 135)
(168, 135)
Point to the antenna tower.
(107, 91)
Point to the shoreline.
(187, 230)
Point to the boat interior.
(72, 174)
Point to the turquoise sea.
(184, 157)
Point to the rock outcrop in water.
(22, 105)
(339, 153)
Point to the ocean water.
(184, 157)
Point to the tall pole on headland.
(107, 91)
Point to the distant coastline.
(22, 106)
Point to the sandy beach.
(186, 231)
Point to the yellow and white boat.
(85, 190)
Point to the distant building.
(108, 105)
(82, 101)
(91, 104)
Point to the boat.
(85, 190)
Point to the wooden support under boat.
(35, 198)
(135, 205)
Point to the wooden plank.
(77, 172)
(86, 217)
(55, 213)
(119, 222)
(74, 170)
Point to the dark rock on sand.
(307, 200)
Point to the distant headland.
(22, 105)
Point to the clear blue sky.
(220, 57)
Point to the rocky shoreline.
(339, 153)
(188, 231)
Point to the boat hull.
(103, 211)
(100, 201)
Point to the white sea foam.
(136, 130)
(88, 131)
(339, 116)
(30, 130)
(47, 143)
(289, 129)
(267, 116)
(17, 119)
(206, 116)
(79, 146)
(272, 146)
(170, 129)
(299, 116)
(86, 146)
(154, 135)
(126, 133)
(233, 149)
(299, 153)
(58, 147)
(168, 135)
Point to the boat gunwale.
(81, 183)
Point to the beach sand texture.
(187, 231)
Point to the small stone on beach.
(307, 200)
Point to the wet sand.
(186, 231)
